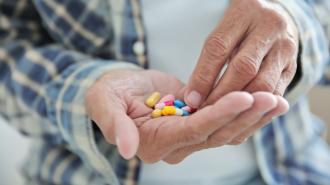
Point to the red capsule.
(162, 105)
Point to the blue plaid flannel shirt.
(51, 51)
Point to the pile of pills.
(167, 106)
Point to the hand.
(116, 103)
(259, 42)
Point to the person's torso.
(113, 30)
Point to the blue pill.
(179, 103)
(185, 113)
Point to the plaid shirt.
(51, 51)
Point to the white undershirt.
(176, 30)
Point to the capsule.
(152, 99)
(171, 110)
(163, 104)
(166, 98)
(156, 113)
(178, 112)
(168, 110)
(187, 108)
(179, 104)
(185, 113)
(193, 110)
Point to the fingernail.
(194, 99)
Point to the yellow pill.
(156, 113)
(153, 99)
(168, 110)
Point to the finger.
(215, 140)
(263, 103)
(282, 107)
(269, 73)
(286, 77)
(245, 65)
(200, 125)
(206, 121)
(116, 126)
(215, 52)
(127, 136)
(170, 133)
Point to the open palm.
(116, 104)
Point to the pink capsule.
(163, 104)
(169, 97)
(187, 108)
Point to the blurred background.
(14, 147)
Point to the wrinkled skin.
(258, 40)
(116, 103)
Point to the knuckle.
(292, 67)
(290, 71)
(216, 46)
(265, 85)
(246, 65)
(276, 19)
(289, 46)
(203, 77)
(220, 138)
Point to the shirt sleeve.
(42, 86)
(312, 19)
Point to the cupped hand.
(258, 40)
(116, 103)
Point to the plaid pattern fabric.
(51, 51)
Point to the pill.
(163, 104)
(156, 113)
(168, 110)
(193, 110)
(152, 99)
(179, 103)
(178, 112)
(185, 113)
(186, 108)
(166, 98)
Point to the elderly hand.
(259, 42)
(116, 103)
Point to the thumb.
(126, 135)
